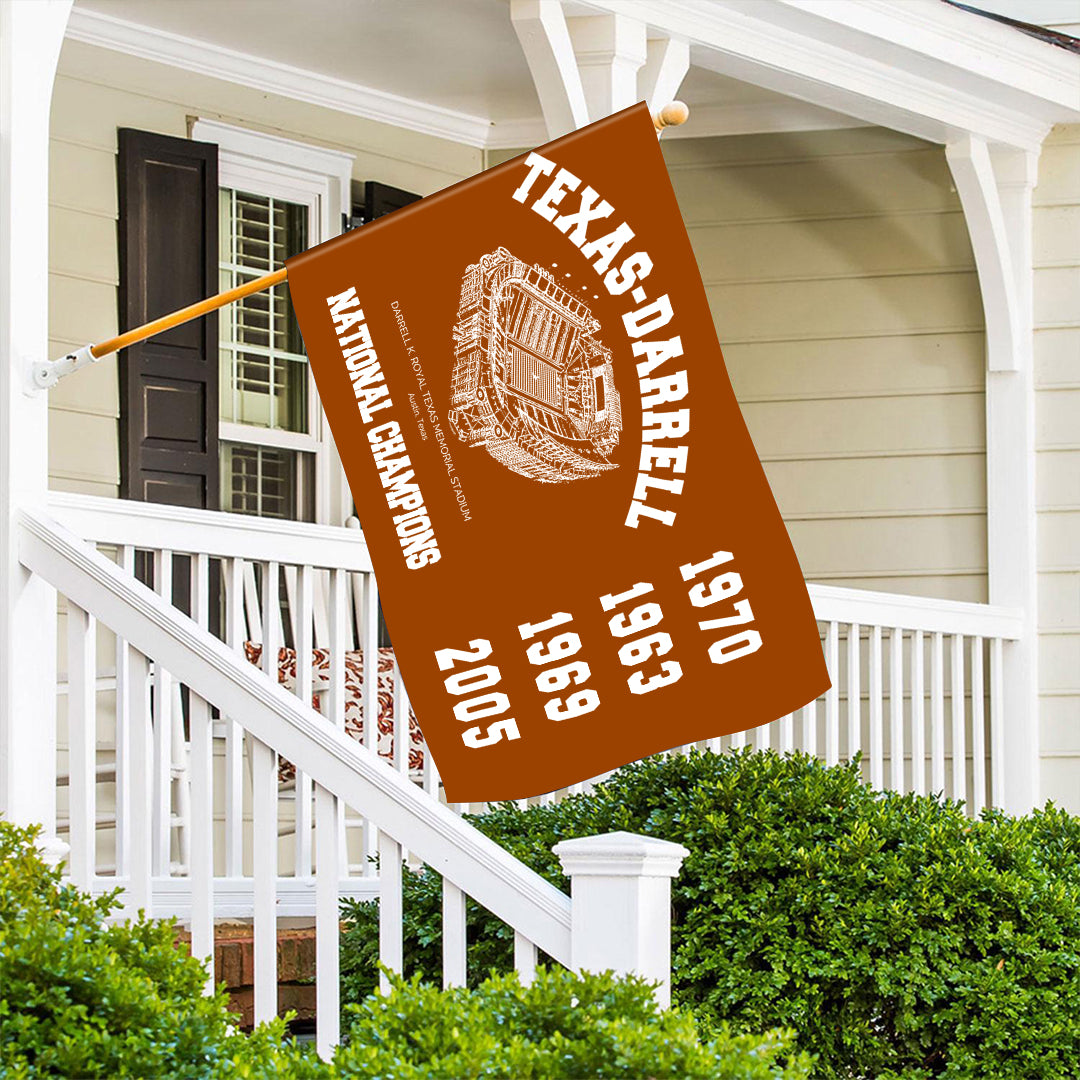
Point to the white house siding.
(842, 285)
(1057, 417)
(98, 91)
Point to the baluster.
(337, 612)
(122, 736)
(327, 934)
(402, 738)
(368, 620)
(896, 708)
(808, 718)
(163, 719)
(978, 729)
(271, 619)
(201, 857)
(959, 742)
(357, 584)
(252, 608)
(453, 935)
(140, 785)
(302, 639)
(877, 721)
(832, 695)
(761, 737)
(181, 780)
(321, 586)
(390, 908)
(431, 775)
(997, 724)
(401, 723)
(264, 838)
(738, 740)
(82, 744)
(937, 715)
(854, 691)
(234, 573)
(524, 959)
(918, 716)
(787, 734)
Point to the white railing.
(616, 916)
(326, 609)
(98, 592)
(170, 740)
(916, 690)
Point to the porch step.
(108, 821)
(104, 771)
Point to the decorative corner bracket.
(998, 214)
(48, 373)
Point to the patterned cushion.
(354, 701)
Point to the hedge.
(562, 1027)
(80, 996)
(895, 935)
(83, 997)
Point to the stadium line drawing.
(532, 384)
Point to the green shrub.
(563, 1026)
(80, 997)
(897, 937)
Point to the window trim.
(321, 179)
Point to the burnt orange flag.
(579, 558)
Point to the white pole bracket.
(49, 372)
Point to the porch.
(133, 723)
(917, 693)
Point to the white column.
(31, 33)
(995, 191)
(609, 50)
(1010, 495)
(620, 889)
(589, 66)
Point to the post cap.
(620, 854)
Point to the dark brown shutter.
(373, 199)
(382, 199)
(168, 259)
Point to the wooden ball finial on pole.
(671, 115)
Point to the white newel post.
(31, 33)
(620, 891)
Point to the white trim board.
(148, 43)
(286, 154)
(204, 58)
(750, 118)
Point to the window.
(264, 381)
(276, 199)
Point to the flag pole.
(49, 373)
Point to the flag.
(579, 558)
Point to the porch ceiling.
(456, 69)
(453, 69)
